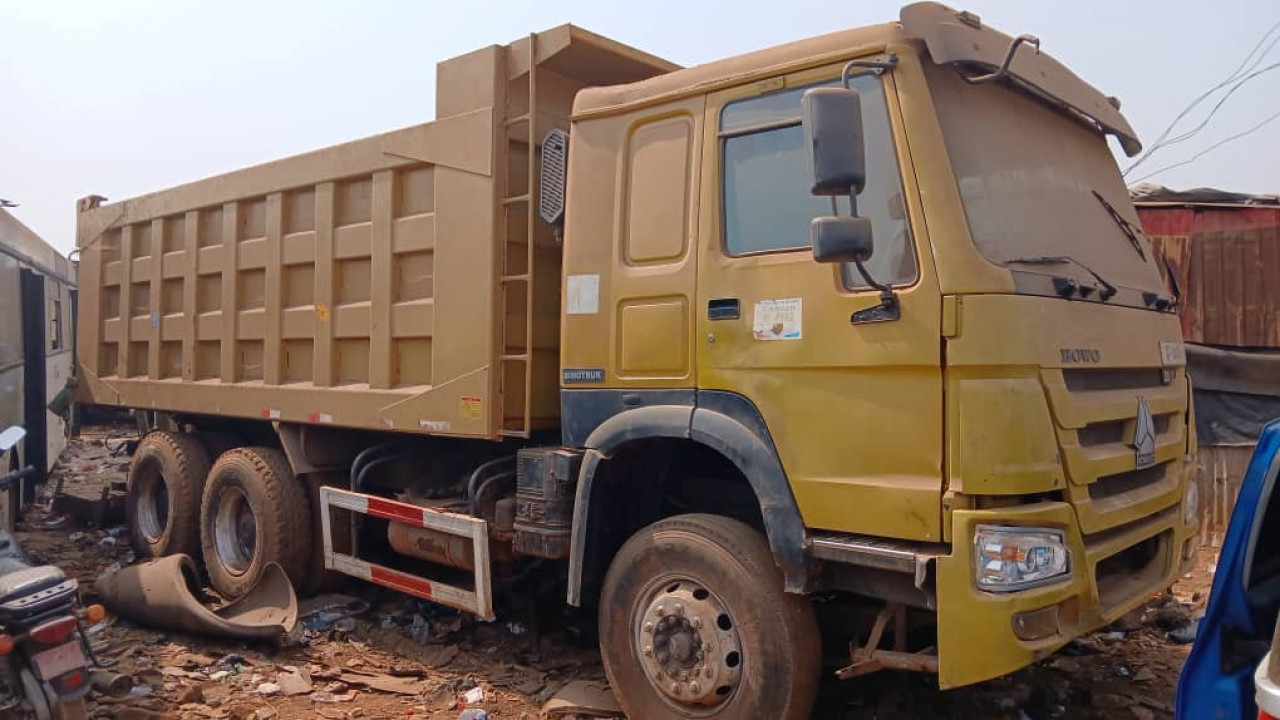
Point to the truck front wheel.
(254, 512)
(694, 623)
(162, 505)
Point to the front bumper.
(1113, 572)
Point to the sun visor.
(955, 37)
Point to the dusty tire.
(254, 511)
(320, 580)
(72, 710)
(699, 595)
(162, 505)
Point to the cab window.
(767, 206)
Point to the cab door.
(854, 408)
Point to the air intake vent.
(555, 169)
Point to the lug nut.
(679, 608)
(648, 627)
(675, 688)
(648, 650)
(708, 672)
(659, 610)
(696, 623)
(694, 687)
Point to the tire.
(254, 512)
(320, 580)
(706, 580)
(71, 710)
(162, 505)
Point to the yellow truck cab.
(1013, 435)
(852, 342)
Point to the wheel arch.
(724, 423)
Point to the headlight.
(1013, 558)
(1191, 504)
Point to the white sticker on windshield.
(778, 320)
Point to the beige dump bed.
(401, 281)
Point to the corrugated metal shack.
(1224, 251)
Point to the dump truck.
(854, 338)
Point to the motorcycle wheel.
(71, 710)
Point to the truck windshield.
(1032, 181)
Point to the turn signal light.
(54, 632)
(6, 644)
(95, 613)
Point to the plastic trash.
(473, 696)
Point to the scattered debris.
(474, 696)
(161, 593)
(385, 683)
(1186, 634)
(582, 698)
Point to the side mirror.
(841, 239)
(11, 437)
(833, 142)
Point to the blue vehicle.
(1235, 635)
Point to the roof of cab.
(598, 100)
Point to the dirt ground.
(371, 653)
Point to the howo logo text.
(1080, 355)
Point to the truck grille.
(1085, 380)
(1112, 431)
(1129, 572)
(1111, 486)
(1095, 411)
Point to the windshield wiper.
(1125, 226)
(1067, 287)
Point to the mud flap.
(160, 593)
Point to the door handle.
(723, 309)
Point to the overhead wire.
(1194, 131)
(1244, 67)
(1248, 131)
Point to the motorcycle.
(44, 654)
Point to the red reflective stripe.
(400, 581)
(411, 514)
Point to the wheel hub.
(235, 532)
(689, 644)
(153, 507)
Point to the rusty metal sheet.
(1225, 259)
(161, 593)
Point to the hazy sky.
(125, 97)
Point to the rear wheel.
(162, 505)
(254, 512)
(694, 623)
(71, 710)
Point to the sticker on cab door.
(778, 320)
(582, 295)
